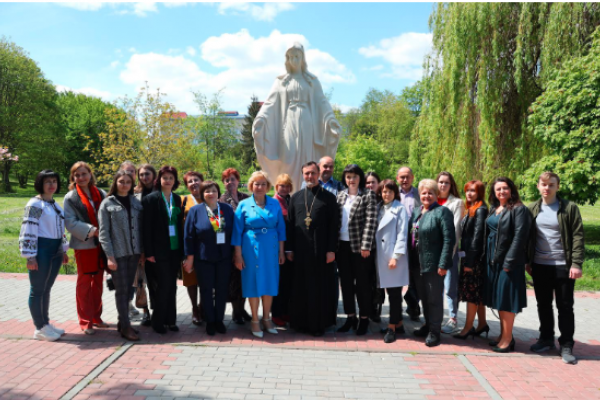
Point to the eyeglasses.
(146, 174)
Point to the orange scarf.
(96, 198)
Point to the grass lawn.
(11, 213)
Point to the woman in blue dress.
(258, 236)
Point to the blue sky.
(110, 49)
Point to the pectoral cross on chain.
(308, 220)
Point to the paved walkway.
(189, 364)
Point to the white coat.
(391, 238)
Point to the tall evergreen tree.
(249, 153)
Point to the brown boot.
(129, 334)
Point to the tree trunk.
(5, 177)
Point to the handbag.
(141, 298)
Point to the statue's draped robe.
(296, 118)
(312, 303)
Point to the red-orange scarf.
(96, 198)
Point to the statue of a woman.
(296, 123)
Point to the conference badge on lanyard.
(169, 205)
(217, 218)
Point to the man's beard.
(310, 185)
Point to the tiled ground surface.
(288, 365)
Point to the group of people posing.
(292, 253)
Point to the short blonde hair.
(256, 175)
(284, 179)
(429, 184)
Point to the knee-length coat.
(391, 239)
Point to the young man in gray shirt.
(556, 252)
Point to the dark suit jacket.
(157, 242)
(200, 237)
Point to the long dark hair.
(514, 200)
(113, 187)
(453, 188)
(140, 186)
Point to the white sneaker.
(449, 326)
(132, 309)
(57, 330)
(46, 333)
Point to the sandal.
(196, 320)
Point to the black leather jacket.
(473, 235)
(512, 238)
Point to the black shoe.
(375, 318)
(390, 336)
(422, 331)
(493, 343)
(220, 327)
(146, 320)
(239, 321)
(414, 313)
(399, 329)
(480, 331)
(173, 328)
(543, 345)
(466, 335)
(210, 328)
(351, 323)
(318, 333)
(161, 330)
(131, 327)
(432, 340)
(508, 349)
(246, 316)
(363, 326)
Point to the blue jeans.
(451, 287)
(49, 259)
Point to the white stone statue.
(296, 123)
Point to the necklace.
(308, 219)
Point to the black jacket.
(512, 238)
(157, 242)
(472, 239)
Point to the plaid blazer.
(362, 222)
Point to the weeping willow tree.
(489, 62)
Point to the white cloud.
(248, 66)
(405, 53)
(344, 108)
(141, 8)
(88, 91)
(173, 4)
(83, 5)
(132, 50)
(115, 64)
(191, 51)
(267, 12)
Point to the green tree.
(365, 151)
(27, 112)
(82, 119)
(247, 141)
(213, 130)
(489, 62)
(145, 129)
(566, 119)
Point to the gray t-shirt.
(548, 247)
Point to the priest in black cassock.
(311, 244)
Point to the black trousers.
(165, 306)
(430, 286)
(355, 277)
(412, 296)
(395, 298)
(281, 302)
(213, 276)
(551, 281)
(123, 279)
